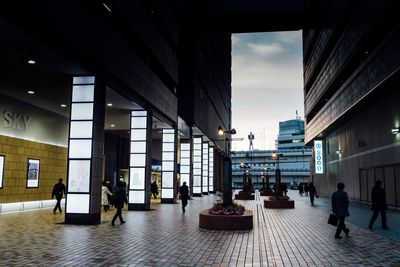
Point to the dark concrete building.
(351, 89)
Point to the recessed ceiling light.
(109, 104)
(31, 61)
(31, 92)
(63, 105)
(112, 125)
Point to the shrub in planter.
(219, 209)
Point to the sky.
(267, 85)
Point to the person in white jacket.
(104, 197)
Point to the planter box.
(226, 222)
(266, 193)
(270, 203)
(244, 196)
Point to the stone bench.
(271, 203)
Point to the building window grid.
(185, 163)
(211, 169)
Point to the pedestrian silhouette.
(378, 197)
(105, 192)
(154, 189)
(119, 200)
(184, 192)
(340, 207)
(313, 192)
(58, 191)
(306, 189)
(300, 187)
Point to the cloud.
(267, 84)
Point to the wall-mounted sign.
(1, 170)
(16, 120)
(319, 156)
(32, 179)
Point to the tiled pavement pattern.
(166, 237)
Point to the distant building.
(293, 160)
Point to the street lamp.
(278, 191)
(227, 195)
(246, 172)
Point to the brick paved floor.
(166, 237)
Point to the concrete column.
(85, 151)
(140, 160)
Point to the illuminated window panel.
(197, 165)
(211, 170)
(167, 193)
(80, 148)
(136, 197)
(81, 129)
(1, 170)
(81, 111)
(78, 203)
(80, 145)
(137, 178)
(168, 163)
(79, 176)
(138, 122)
(205, 168)
(83, 93)
(138, 156)
(138, 147)
(83, 80)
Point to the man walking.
(378, 197)
(340, 207)
(58, 191)
(119, 200)
(184, 191)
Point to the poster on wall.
(33, 173)
(319, 157)
(79, 176)
(1, 170)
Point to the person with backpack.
(119, 199)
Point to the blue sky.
(267, 85)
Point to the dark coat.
(312, 190)
(58, 190)
(184, 191)
(378, 197)
(340, 204)
(119, 197)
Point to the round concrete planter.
(272, 203)
(226, 222)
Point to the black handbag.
(333, 219)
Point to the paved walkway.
(166, 237)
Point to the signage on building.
(319, 158)
(16, 120)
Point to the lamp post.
(278, 191)
(227, 194)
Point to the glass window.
(168, 138)
(168, 156)
(141, 113)
(168, 166)
(83, 80)
(167, 193)
(167, 179)
(168, 147)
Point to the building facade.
(292, 157)
(351, 87)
